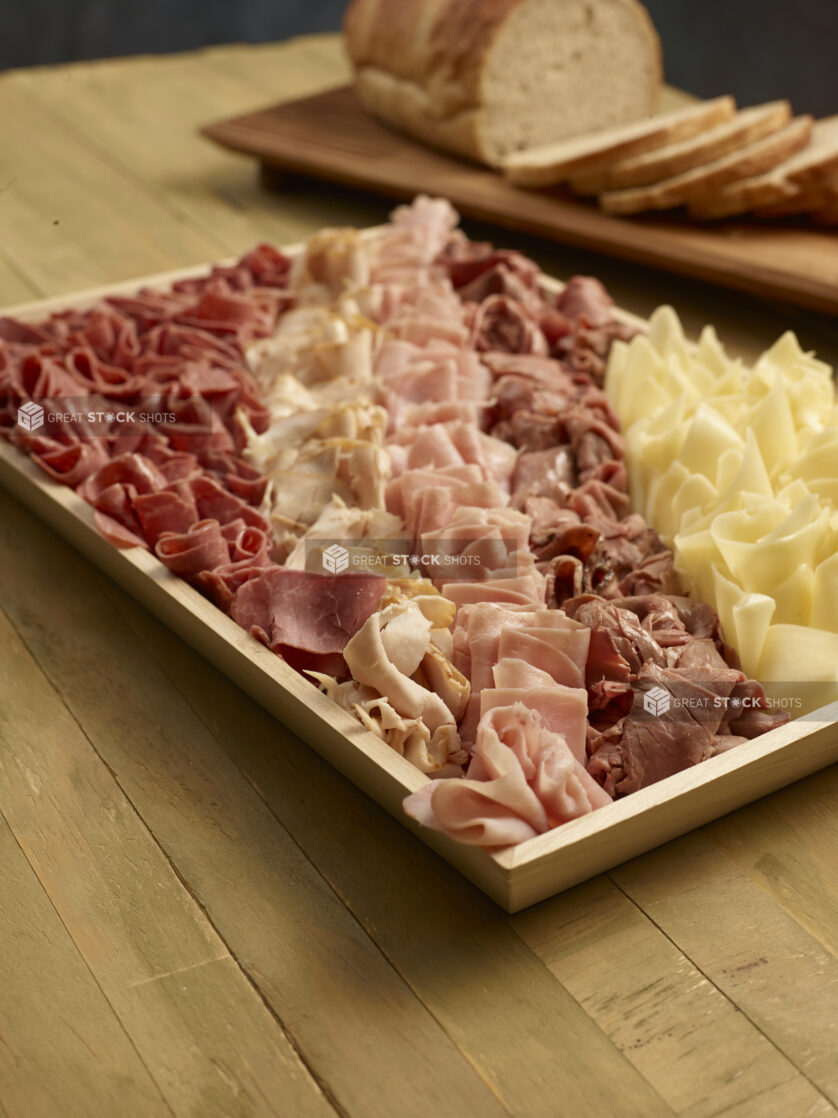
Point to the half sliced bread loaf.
(557, 162)
(487, 78)
(754, 159)
(794, 182)
(746, 127)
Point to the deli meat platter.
(402, 714)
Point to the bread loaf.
(484, 78)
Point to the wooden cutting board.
(329, 136)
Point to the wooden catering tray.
(329, 136)
(515, 877)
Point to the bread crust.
(796, 185)
(439, 44)
(589, 167)
(693, 186)
(681, 156)
(406, 107)
(439, 47)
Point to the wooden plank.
(62, 1049)
(14, 285)
(69, 218)
(788, 845)
(515, 1025)
(330, 136)
(761, 958)
(366, 1035)
(142, 116)
(207, 1038)
(784, 1100)
(681, 1033)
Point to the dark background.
(756, 49)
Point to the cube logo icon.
(30, 416)
(336, 559)
(656, 701)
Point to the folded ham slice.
(563, 710)
(522, 781)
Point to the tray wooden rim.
(515, 877)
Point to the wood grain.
(779, 976)
(448, 943)
(695, 1049)
(198, 189)
(683, 1034)
(157, 958)
(76, 220)
(788, 844)
(296, 940)
(61, 1044)
(330, 136)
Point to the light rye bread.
(798, 181)
(800, 201)
(483, 78)
(553, 163)
(747, 126)
(702, 181)
(806, 199)
(827, 214)
(821, 164)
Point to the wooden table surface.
(197, 915)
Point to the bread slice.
(796, 181)
(822, 164)
(746, 127)
(557, 162)
(799, 201)
(828, 213)
(749, 161)
(489, 78)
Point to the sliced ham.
(562, 653)
(522, 781)
(563, 710)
